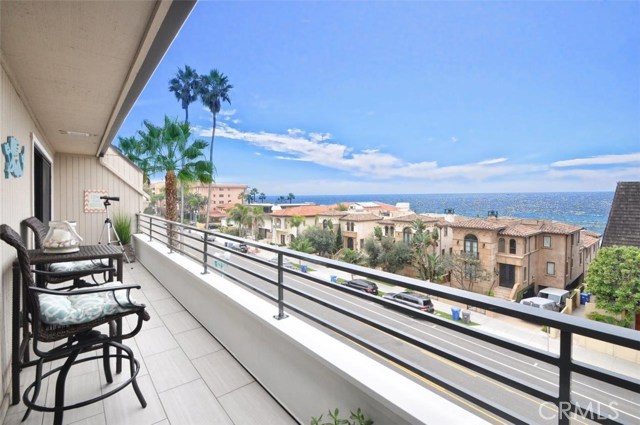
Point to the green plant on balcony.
(357, 418)
(122, 228)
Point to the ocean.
(587, 209)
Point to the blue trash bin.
(583, 298)
(334, 279)
(455, 313)
(303, 268)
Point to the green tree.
(241, 215)
(281, 199)
(195, 201)
(167, 149)
(302, 245)
(262, 197)
(296, 221)
(377, 232)
(185, 87)
(339, 242)
(387, 254)
(134, 151)
(321, 239)
(213, 89)
(256, 217)
(253, 194)
(614, 279)
(351, 256)
(291, 197)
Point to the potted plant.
(122, 227)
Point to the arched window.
(512, 246)
(471, 244)
(406, 235)
(386, 230)
(501, 245)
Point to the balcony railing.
(184, 240)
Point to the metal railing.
(157, 230)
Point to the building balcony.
(221, 350)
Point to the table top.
(86, 252)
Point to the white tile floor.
(186, 376)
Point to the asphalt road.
(585, 391)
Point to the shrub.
(122, 227)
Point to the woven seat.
(64, 272)
(74, 330)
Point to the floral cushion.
(68, 309)
(78, 266)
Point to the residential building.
(221, 194)
(356, 228)
(278, 223)
(519, 253)
(623, 225)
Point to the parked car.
(285, 262)
(242, 247)
(539, 302)
(363, 285)
(412, 299)
(559, 296)
(208, 237)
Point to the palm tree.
(291, 197)
(253, 193)
(185, 86)
(281, 199)
(133, 150)
(241, 215)
(296, 221)
(213, 89)
(262, 197)
(168, 150)
(256, 216)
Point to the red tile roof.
(361, 217)
(304, 210)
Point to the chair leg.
(132, 370)
(60, 383)
(106, 362)
(36, 389)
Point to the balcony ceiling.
(80, 66)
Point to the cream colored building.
(518, 253)
(281, 229)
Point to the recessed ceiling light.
(76, 133)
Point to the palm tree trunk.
(171, 201)
(213, 134)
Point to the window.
(546, 241)
(221, 195)
(581, 258)
(471, 244)
(361, 243)
(501, 245)
(406, 235)
(512, 246)
(524, 275)
(551, 268)
(442, 251)
(446, 231)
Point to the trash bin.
(466, 317)
(334, 279)
(303, 268)
(588, 296)
(455, 313)
(583, 298)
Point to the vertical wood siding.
(74, 174)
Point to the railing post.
(564, 384)
(280, 314)
(150, 228)
(205, 254)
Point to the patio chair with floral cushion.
(70, 319)
(63, 272)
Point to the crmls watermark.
(592, 410)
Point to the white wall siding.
(16, 203)
(74, 174)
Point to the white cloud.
(235, 121)
(454, 140)
(599, 160)
(317, 148)
(227, 112)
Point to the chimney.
(492, 213)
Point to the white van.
(559, 296)
(539, 302)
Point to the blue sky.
(413, 97)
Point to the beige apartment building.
(222, 195)
(519, 253)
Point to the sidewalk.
(506, 327)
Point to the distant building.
(623, 225)
(522, 253)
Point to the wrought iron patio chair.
(63, 272)
(70, 318)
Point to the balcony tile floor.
(186, 376)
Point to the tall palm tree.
(134, 151)
(254, 192)
(168, 150)
(291, 197)
(241, 215)
(257, 219)
(185, 86)
(213, 89)
(262, 197)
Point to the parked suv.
(242, 247)
(539, 302)
(411, 299)
(559, 296)
(363, 285)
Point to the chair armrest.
(82, 291)
(72, 273)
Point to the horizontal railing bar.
(610, 377)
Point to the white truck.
(548, 299)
